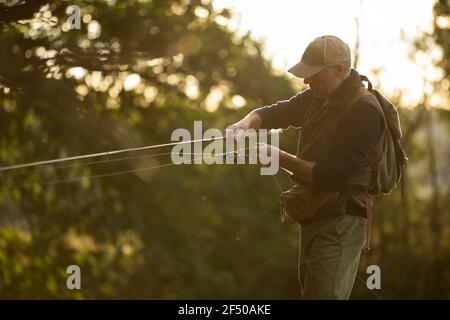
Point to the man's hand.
(251, 121)
(285, 159)
(268, 150)
(301, 168)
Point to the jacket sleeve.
(285, 113)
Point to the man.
(338, 131)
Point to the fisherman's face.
(326, 81)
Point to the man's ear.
(340, 69)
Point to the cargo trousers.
(329, 254)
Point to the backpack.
(388, 168)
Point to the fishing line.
(107, 153)
(134, 170)
(101, 154)
(88, 163)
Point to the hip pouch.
(302, 202)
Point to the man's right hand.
(251, 121)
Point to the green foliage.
(180, 231)
(168, 233)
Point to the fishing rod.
(108, 153)
(102, 154)
(93, 162)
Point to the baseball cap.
(321, 52)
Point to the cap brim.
(302, 70)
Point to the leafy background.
(134, 72)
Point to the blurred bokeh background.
(138, 69)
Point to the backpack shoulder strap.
(360, 92)
(369, 84)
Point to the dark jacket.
(338, 139)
